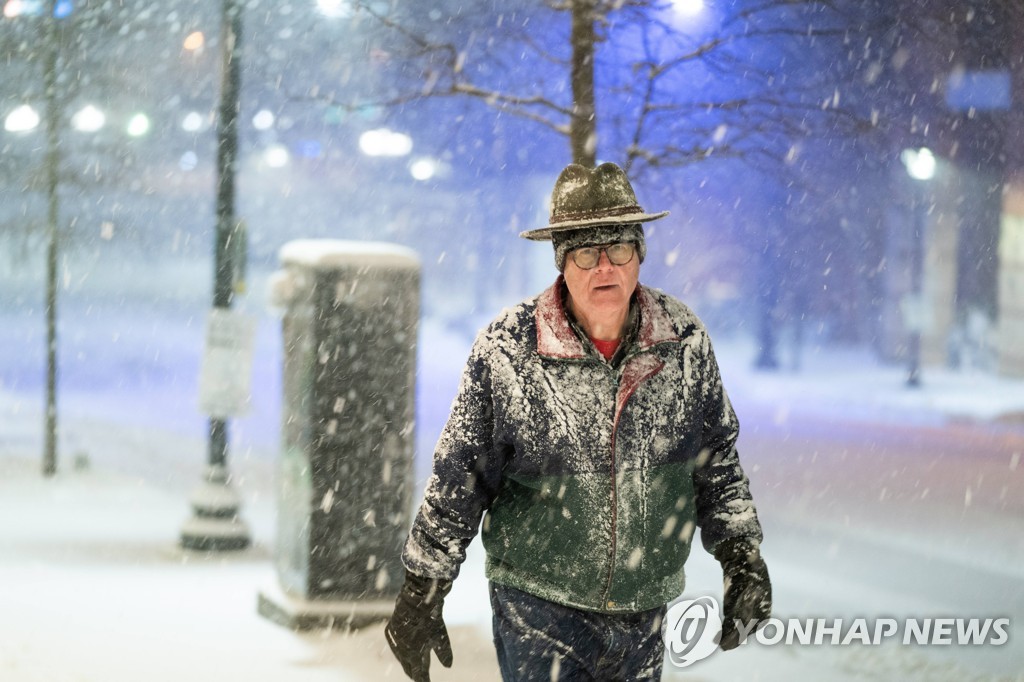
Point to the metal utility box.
(349, 342)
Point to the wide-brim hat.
(591, 196)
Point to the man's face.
(604, 289)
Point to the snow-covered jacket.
(592, 476)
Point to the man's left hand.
(416, 627)
(748, 590)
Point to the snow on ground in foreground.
(94, 588)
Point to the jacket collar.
(556, 339)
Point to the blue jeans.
(540, 641)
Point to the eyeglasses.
(588, 257)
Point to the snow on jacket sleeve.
(465, 478)
(725, 508)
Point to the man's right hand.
(416, 626)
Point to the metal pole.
(52, 235)
(916, 268)
(215, 525)
(227, 153)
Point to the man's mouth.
(605, 287)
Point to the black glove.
(416, 626)
(748, 591)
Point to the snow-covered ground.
(877, 501)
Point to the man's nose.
(603, 261)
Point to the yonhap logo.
(692, 629)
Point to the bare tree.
(761, 82)
(61, 56)
(658, 92)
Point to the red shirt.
(606, 348)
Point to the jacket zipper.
(615, 501)
(615, 513)
(615, 491)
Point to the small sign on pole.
(225, 380)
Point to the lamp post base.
(215, 535)
(215, 525)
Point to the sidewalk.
(93, 588)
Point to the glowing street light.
(193, 122)
(89, 119)
(138, 125)
(194, 41)
(336, 9)
(276, 156)
(35, 8)
(15, 8)
(920, 163)
(688, 8)
(21, 120)
(384, 142)
(423, 169)
(263, 120)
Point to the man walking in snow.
(592, 435)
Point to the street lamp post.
(215, 525)
(920, 166)
(916, 266)
(53, 161)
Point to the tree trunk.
(53, 235)
(768, 300)
(583, 126)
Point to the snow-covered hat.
(585, 197)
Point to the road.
(881, 520)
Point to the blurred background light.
(194, 40)
(17, 8)
(334, 8)
(423, 169)
(21, 120)
(138, 125)
(188, 161)
(920, 163)
(384, 142)
(263, 120)
(310, 149)
(688, 8)
(35, 8)
(192, 122)
(88, 119)
(334, 115)
(276, 156)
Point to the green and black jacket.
(592, 475)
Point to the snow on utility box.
(350, 321)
